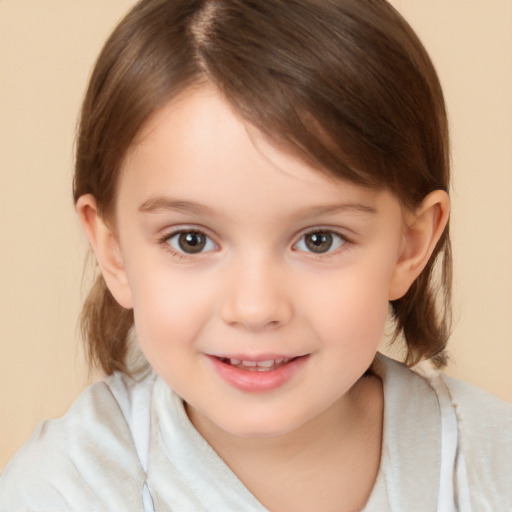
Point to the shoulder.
(484, 425)
(477, 409)
(84, 460)
(485, 421)
(485, 429)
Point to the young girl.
(263, 184)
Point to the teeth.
(257, 365)
(266, 364)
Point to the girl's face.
(260, 287)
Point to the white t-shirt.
(129, 446)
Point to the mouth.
(267, 365)
(263, 374)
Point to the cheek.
(354, 306)
(169, 311)
(358, 319)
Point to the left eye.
(320, 242)
(191, 242)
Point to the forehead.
(197, 147)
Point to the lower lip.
(257, 381)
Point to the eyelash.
(167, 237)
(342, 241)
(165, 241)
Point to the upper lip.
(257, 358)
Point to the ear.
(423, 229)
(105, 245)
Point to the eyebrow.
(161, 203)
(157, 204)
(336, 208)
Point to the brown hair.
(344, 84)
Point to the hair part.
(344, 84)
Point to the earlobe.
(423, 229)
(105, 245)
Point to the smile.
(265, 375)
(257, 366)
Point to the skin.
(257, 291)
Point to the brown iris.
(192, 242)
(319, 241)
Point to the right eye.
(191, 242)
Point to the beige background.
(47, 48)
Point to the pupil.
(319, 242)
(192, 242)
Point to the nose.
(257, 297)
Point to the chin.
(263, 433)
(262, 427)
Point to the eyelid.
(169, 231)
